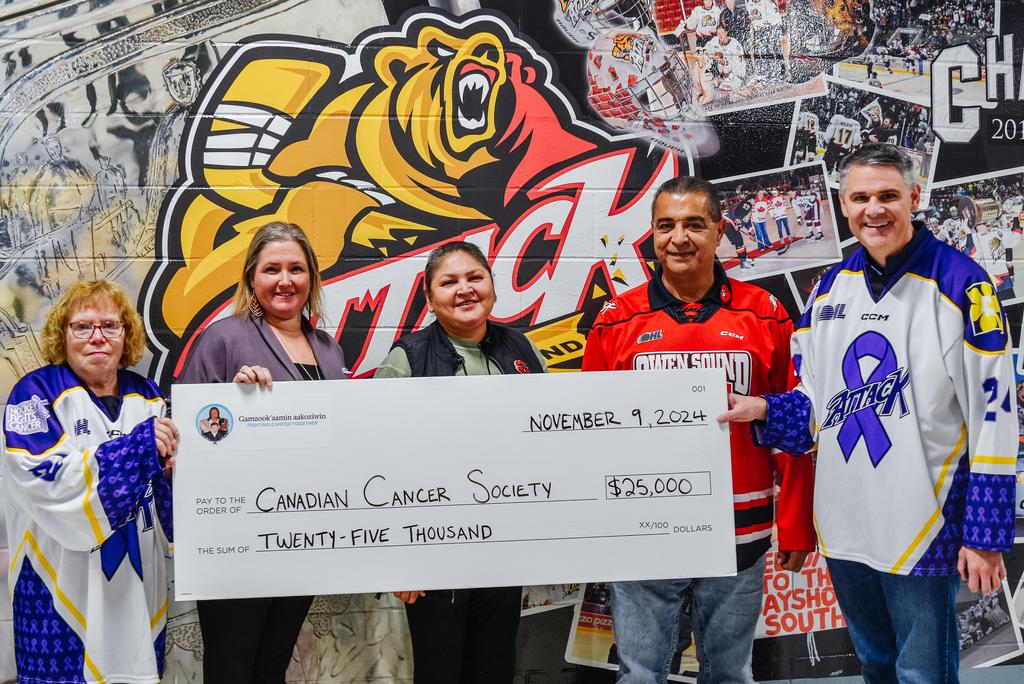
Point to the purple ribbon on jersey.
(865, 422)
(123, 542)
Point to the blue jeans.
(781, 223)
(761, 232)
(903, 628)
(645, 617)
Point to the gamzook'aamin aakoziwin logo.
(214, 422)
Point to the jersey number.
(991, 386)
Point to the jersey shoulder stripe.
(964, 285)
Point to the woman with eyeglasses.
(86, 462)
(269, 338)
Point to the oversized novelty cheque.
(430, 483)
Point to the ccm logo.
(729, 333)
(874, 317)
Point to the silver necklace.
(306, 375)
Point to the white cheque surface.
(431, 483)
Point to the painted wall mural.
(146, 142)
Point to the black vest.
(431, 353)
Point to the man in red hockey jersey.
(691, 314)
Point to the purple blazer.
(230, 343)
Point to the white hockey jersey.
(805, 200)
(779, 206)
(808, 122)
(956, 233)
(991, 241)
(911, 401)
(88, 522)
(759, 213)
(763, 12)
(702, 21)
(843, 131)
(729, 57)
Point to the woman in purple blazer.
(269, 338)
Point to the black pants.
(250, 641)
(465, 636)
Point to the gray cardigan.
(230, 343)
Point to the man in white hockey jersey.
(766, 38)
(991, 240)
(805, 143)
(808, 213)
(910, 399)
(841, 137)
(701, 23)
(958, 233)
(724, 67)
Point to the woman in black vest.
(462, 636)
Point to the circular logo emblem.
(521, 366)
(214, 422)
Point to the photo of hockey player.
(766, 30)
(982, 218)
(746, 60)
(637, 83)
(777, 221)
(701, 22)
(807, 134)
(904, 38)
(988, 628)
(770, 52)
(592, 641)
(721, 67)
(829, 128)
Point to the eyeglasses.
(83, 331)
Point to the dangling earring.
(254, 307)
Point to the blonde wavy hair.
(278, 231)
(86, 293)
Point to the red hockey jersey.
(742, 328)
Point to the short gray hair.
(878, 154)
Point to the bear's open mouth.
(471, 93)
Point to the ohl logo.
(830, 313)
(436, 129)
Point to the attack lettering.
(882, 396)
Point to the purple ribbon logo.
(858, 407)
